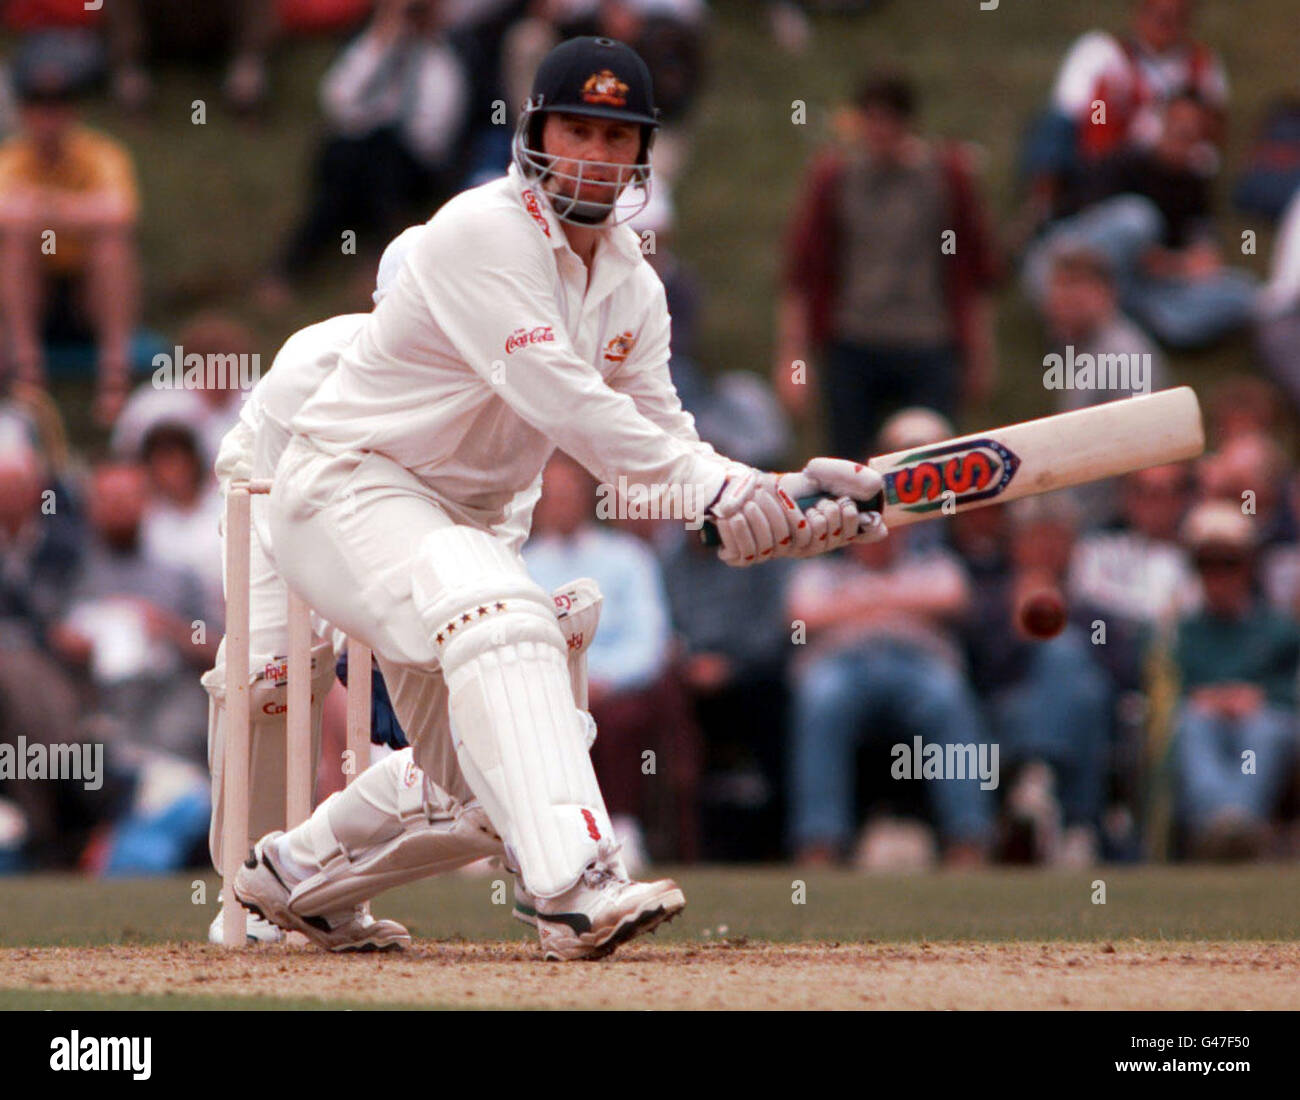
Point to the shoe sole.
(662, 911)
(284, 917)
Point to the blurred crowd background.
(1121, 179)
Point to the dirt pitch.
(726, 975)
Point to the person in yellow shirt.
(68, 260)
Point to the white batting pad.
(519, 736)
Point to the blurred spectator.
(1051, 698)
(882, 666)
(1110, 92)
(1234, 742)
(635, 698)
(40, 551)
(892, 316)
(1278, 329)
(1271, 177)
(1243, 404)
(735, 639)
(136, 625)
(1083, 319)
(396, 102)
(212, 393)
(68, 264)
(1250, 472)
(1149, 212)
(182, 522)
(1136, 572)
(734, 410)
(143, 30)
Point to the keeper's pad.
(393, 825)
(519, 737)
(268, 702)
(577, 607)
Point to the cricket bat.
(1036, 456)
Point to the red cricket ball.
(1042, 613)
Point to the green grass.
(218, 198)
(1151, 903)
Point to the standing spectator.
(893, 316)
(635, 698)
(1149, 212)
(735, 638)
(59, 178)
(883, 664)
(396, 102)
(1235, 731)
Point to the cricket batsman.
(524, 319)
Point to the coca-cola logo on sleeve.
(522, 337)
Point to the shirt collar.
(620, 239)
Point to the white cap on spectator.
(1218, 523)
(390, 263)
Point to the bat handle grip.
(709, 531)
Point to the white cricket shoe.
(258, 930)
(263, 887)
(602, 911)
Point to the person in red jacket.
(888, 268)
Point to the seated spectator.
(136, 625)
(1133, 77)
(1234, 742)
(1251, 472)
(1148, 211)
(735, 641)
(882, 666)
(143, 30)
(634, 697)
(1243, 404)
(59, 178)
(1084, 319)
(1050, 699)
(210, 407)
(891, 318)
(396, 102)
(182, 522)
(40, 552)
(1137, 573)
(1277, 330)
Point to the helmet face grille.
(563, 180)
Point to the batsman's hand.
(836, 520)
(754, 519)
(758, 515)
